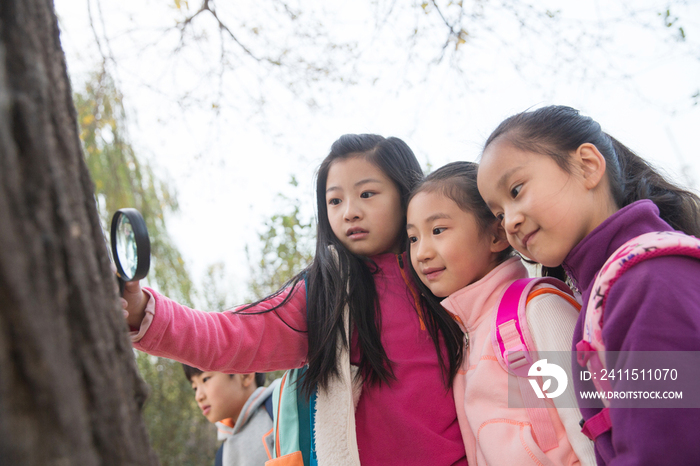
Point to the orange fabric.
(456, 318)
(228, 422)
(560, 293)
(292, 459)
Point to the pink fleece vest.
(493, 433)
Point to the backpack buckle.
(518, 360)
(584, 352)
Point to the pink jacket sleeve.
(228, 342)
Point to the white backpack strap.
(512, 344)
(591, 349)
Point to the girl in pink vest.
(460, 254)
(354, 305)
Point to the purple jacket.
(654, 306)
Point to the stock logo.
(544, 369)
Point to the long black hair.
(456, 181)
(337, 278)
(557, 131)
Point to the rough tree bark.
(69, 390)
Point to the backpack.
(513, 344)
(591, 349)
(293, 417)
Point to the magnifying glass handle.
(121, 286)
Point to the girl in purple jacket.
(568, 195)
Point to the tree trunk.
(70, 393)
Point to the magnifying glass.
(131, 247)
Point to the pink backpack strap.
(646, 246)
(591, 349)
(598, 424)
(512, 344)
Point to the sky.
(230, 141)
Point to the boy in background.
(236, 403)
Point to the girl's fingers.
(124, 304)
(132, 287)
(134, 301)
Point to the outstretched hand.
(134, 302)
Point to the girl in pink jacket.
(354, 305)
(459, 252)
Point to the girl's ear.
(592, 164)
(499, 242)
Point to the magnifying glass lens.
(126, 247)
(131, 248)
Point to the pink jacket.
(493, 433)
(226, 342)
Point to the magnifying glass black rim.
(143, 244)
